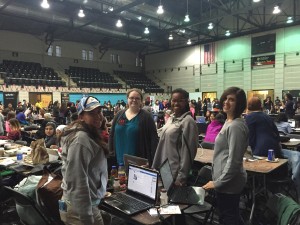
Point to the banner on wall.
(65, 97)
(10, 97)
(263, 60)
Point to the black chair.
(27, 209)
(195, 211)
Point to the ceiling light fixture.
(187, 18)
(276, 9)
(189, 42)
(139, 18)
(170, 37)
(210, 26)
(45, 4)
(227, 33)
(160, 9)
(256, 0)
(81, 13)
(290, 20)
(146, 31)
(182, 31)
(110, 8)
(119, 23)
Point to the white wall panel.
(263, 78)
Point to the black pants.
(228, 206)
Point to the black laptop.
(141, 191)
(190, 195)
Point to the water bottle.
(121, 173)
(163, 197)
(19, 156)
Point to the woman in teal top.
(133, 131)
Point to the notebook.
(190, 195)
(141, 191)
(131, 159)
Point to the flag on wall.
(209, 53)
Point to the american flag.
(209, 53)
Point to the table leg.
(253, 200)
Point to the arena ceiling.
(98, 28)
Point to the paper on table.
(6, 162)
(294, 139)
(166, 210)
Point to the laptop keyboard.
(132, 202)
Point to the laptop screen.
(166, 175)
(142, 181)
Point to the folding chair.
(27, 209)
(204, 175)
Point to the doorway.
(44, 97)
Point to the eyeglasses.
(133, 98)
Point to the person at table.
(263, 133)
(282, 123)
(10, 115)
(41, 131)
(228, 174)
(289, 106)
(84, 168)
(14, 130)
(217, 120)
(133, 130)
(268, 104)
(178, 139)
(50, 135)
(21, 116)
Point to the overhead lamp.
(227, 33)
(139, 18)
(276, 9)
(189, 42)
(110, 8)
(81, 13)
(256, 0)
(45, 4)
(182, 31)
(119, 23)
(160, 9)
(210, 26)
(289, 20)
(170, 37)
(187, 18)
(146, 31)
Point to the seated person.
(21, 116)
(263, 133)
(213, 129)
(14, 130)
(282, 123)
(41, 132)
(50, 132)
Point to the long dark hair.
(92, 132)
(241, 101)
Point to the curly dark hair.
(185, 95)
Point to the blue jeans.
(294, 166)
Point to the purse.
(39, 152)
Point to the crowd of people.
(158, 131)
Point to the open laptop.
(140, 194)
(190, 195)
(200, 119)
(131, 159)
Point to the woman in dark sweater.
(263, 133)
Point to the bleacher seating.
(137, 80)
(92, 78)
(29, 73)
